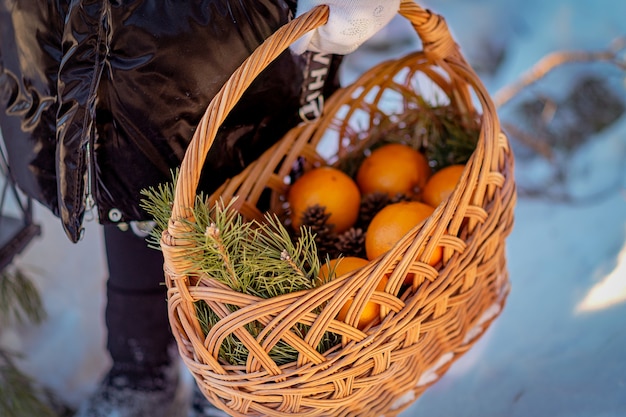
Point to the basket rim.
(437, 43)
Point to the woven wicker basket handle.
(431, 28)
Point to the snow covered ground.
(558, 347)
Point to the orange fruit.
(330, 188)
(441, 184)
(393, 168)
(394, 221)
(341, 266)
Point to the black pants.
(139, 334)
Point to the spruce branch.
(297, 258)
(19, 395)
(445, 133)
(19, 299)
(20, 302)
(157, 202)
(221, 253)
(251, 257)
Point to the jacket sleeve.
(84, 51)
(30, 53)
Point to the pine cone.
(327, 247)
(351, 243)
(400, 197)
(370, 205)
(316, 218)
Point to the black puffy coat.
(99, 98)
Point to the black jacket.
(99, 98)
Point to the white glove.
(350, 23)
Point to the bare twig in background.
(537, 144)
(556, 59)
(556, 128)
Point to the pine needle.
(19, 299)
(444, 133)
(19, 397)
(256, 258)
(20, 302)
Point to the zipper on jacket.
(103, 45)
(90, 202)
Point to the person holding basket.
(99, 100)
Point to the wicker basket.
(382, 369)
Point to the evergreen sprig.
(19, 396)
(20, 303)
(158, 204)
(19, 299)
(446, 134)
(256, 258)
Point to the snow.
(557, 348)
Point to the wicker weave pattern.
(382, 369)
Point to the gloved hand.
(350, 23)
